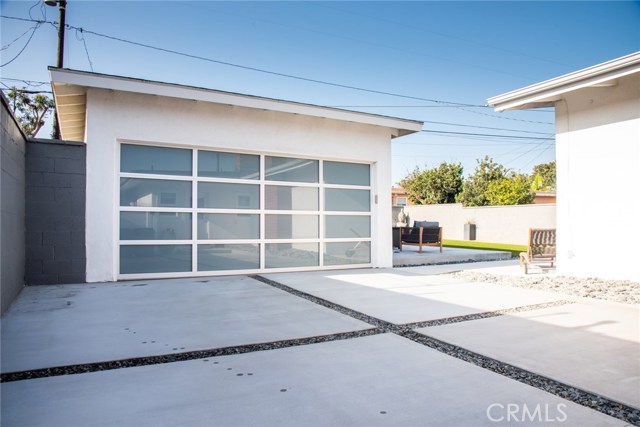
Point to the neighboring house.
(543, 197)
(597, 152)
(399, 197)
(186, 181)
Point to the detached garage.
(185, 181)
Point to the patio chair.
(541, 248)
(423, 233)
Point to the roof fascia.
(544, 94)
(400, 127)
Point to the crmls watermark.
(521, 412)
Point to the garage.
(185, 181)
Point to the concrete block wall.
(12, 194)
(55, 212)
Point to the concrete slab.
(593, 345)
(432, 256)
(382, 380)
(71, 324)
(401, 296)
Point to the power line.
(484, 134)
(259, 70)
(502, 117)
(35, 28)
(485, 127)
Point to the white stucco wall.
(495, 224)
(598, 178)
(114, 116)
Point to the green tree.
(434, 186)
(475, 186)
(30, 109)
(512, 190)
(544, 176)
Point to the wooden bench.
(541, 248)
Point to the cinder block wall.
(55, 212)
(12, 193)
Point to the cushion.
(426, 224)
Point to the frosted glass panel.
(289, 169)
(155, 226)
(155, 192)
(346, 173)
(228, 226)
(228, 257)
(155, 259)
(228, 196)
(286, 255)
(291, 226)
(157, 160)
(228, 165)
(338, 199)
(282, 197)
(347, 253)
(338, 226)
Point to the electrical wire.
(7, 46)
(35, 28)
(485, 127)
(259, 70)
(84, 42)
(505, 118)
(483, 134)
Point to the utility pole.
(61, 27)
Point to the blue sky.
(442, 52)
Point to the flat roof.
(546, 93)
(70, 89)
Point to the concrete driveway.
(344, 348)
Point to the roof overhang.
(547, 93)
(70, 92)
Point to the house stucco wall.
(114, 116)
(598, 153)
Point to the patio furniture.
(542, 248)
(423, 233)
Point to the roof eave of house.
(546, 93)
(69, 87)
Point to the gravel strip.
(590, 400)
(484, 315)
(582, 397)
(179, 357)
(624, 291)
(379, 323)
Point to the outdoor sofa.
(423, 233)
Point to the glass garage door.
(204, 212)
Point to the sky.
(433, 61)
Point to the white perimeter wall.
(118, 116)
(598, 177)
(496, 224)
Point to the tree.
(475, 186)
(544, 176)
(512, 190)
(30, 109)
(434, 186)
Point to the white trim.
(261, 241)
(64, 81)
(548, 92)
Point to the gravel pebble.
(624, 291)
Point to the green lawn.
(472, 244)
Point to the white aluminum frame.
(262, 212)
